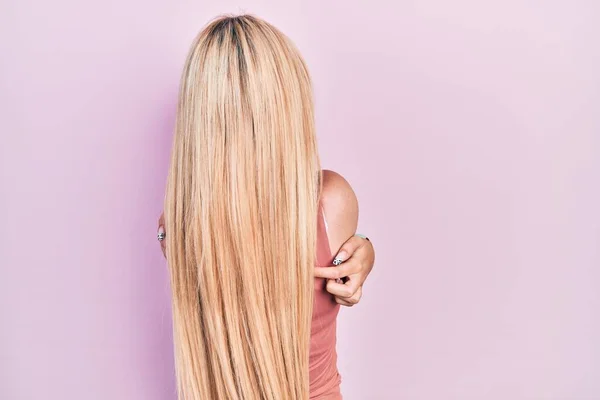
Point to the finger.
(356, 296)
(343, 302)
(347, 249)
(346, 269)
(358, 278)
(349, 302)
(344, 290)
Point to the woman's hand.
(357, 258)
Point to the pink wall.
(469, 131)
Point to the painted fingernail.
(341, 256)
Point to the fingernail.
(341, 256)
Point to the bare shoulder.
(340, 208)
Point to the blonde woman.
(250, 223)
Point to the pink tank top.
(324, 376)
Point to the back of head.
(240, 212)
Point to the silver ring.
(161, 236)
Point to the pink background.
(469, 130)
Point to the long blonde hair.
(240, 215)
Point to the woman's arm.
(356, 255)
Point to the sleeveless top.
(324, 376)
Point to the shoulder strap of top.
(324, 256)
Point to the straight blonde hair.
(240, 214)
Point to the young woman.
(251, 220)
